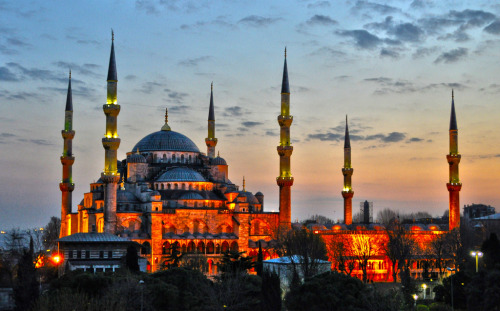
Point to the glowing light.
(39, 261)
(56, 259)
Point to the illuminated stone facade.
(168, 192)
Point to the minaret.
(211, 141)
(67, 160)
(111, 142)
(285, 179)
(454, 185)
(347, 171)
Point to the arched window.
(155, 158)
(189, 158)
(183, 186)
(225, 247)
(196, 226)
(182, 158)
(164, 158)
(176, 186)
(173, 158)
(190, 186)
(191, 247)
(185, 204)
(146, 248)
(184, 248)
(186, 229)
(162, 186)
(217, 249)
(166, 248)
(201, 248)
(168, 186)
(210, 247)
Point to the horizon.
(390, 67)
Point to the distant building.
(366, 212)
(473, 210)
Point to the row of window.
(78, 254)
(183, 186)
(173, 159)
(192, 248)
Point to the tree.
(336, 291)
(271, 291)
(26, 285)
(438, 250)
(363, 248)
(259, 264)
(491, 251)
(400, 248)
(234, 263)
(51, 233)
(305, 249)
(175, 256)
(386, 215)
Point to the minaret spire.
(285, 149)
(347, 171)
(165, 126)
(211, 141)
(67, 159)
(454, 185)
(244, 184)
(111, 142)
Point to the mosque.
(167, 192)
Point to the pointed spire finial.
(211, 112)
(453, 118)
(138, 151)
(112, 35)
(218, 154)
(212, 86)
(69, 97)
(285, 88)
(347, 139)
(112, 76)
(165, 126)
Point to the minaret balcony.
(284, 181)
(454, 186)
(285, 120)
(67, 187)
(211, 142)
(110, 143)
(111, 109)
(67, 160)
(67, 134)
(285, 151)
(110, 178)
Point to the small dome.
(165, 141)
(250, 197)
(181, 174)
(136, 158)
(218, 161)
(191, 196)
(259, 194)
(125, 196)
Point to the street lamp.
(424, 286)
(451, 282)
(476, 254)
(415, 296)
(141, 284)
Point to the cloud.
(271, 133)
(452, 56)
(321, 20)
(371, 6)
(17, 42)
(85, 69)
(7, 50)
(463, 20)
(363, 38)
(422, 52)
(389, 53)
(414, 140)
(389, 138)
(258, 21)
(180, 109)
(319, 4)
(37, 74)
(234, 111)
(329, 51)
(131, 77)
(326, 136)
(220, 21)
(251, 123)
(148, 6)
(39, 142)
(493, 28)
(407, 32)
(7, 75)
(6, 135)
(388, 85)
(193, 62)
(148, 87)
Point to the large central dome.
(165, 141)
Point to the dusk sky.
(389, 65)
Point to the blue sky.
(389, 65)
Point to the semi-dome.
(191, 196)
(136, 158)
(181, 174)
(165, 141)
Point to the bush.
(422, 308)
(439, 306)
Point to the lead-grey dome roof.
(165, 141)
(136, 158)
(181, 174)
